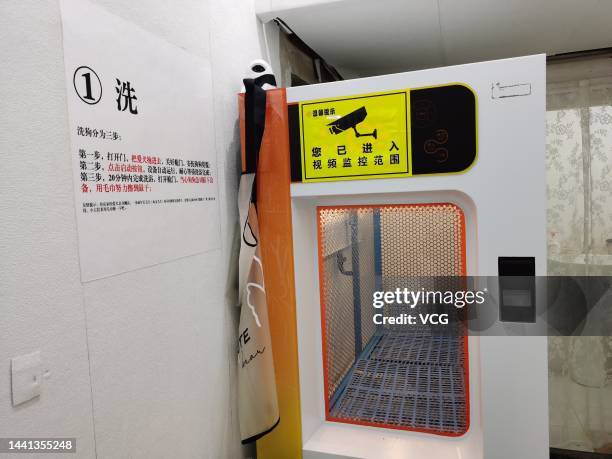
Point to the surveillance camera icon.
(351, 121)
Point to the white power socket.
(26, 377)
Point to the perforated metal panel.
(338, 290)
(422, 240)
(392, 376)
(346, 238)
(367, 277)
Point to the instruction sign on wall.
(142, 144)
(356, 137)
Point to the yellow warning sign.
(357, 137)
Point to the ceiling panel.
(371, 37)
(475, 30)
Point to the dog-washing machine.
(405, 180)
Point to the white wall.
(141, 364)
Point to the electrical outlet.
(26, 377)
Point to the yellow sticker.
(358, 137)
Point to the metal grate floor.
(421, 348)
(407, 380)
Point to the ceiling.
(371, 37)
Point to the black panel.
(517, 295)
(295, 147)
(443, 129)
(516, 266)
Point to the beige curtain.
(579, 184)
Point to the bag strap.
(255, 123)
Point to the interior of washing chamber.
(396, 376)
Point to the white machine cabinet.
(501, 198)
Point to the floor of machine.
(407, 380)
